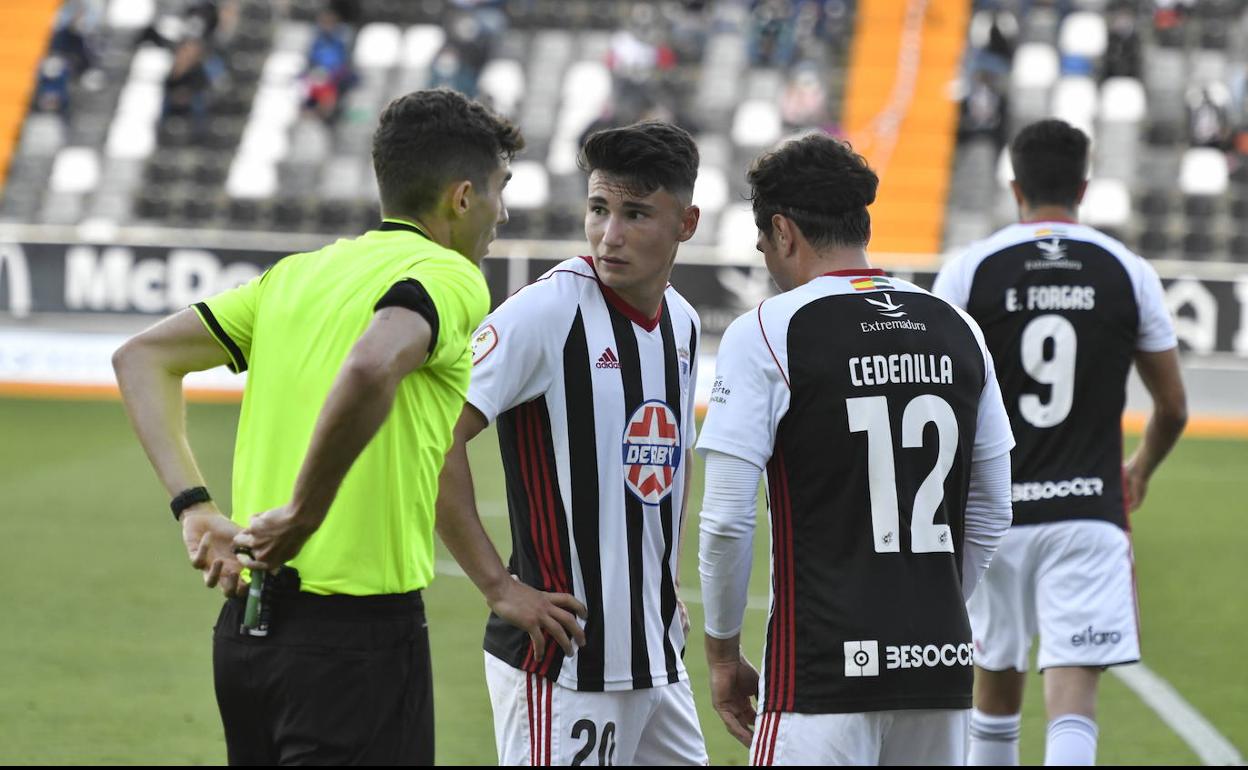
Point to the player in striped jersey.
(1065, 310)
(874, 408)
(589, 373)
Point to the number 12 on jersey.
(870, 414)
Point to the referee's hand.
(209, 539)
(272, 539)
(539, 614)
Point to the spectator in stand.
(70, 57)
(636, 58)
(804, 104)
(329, 74)
(982, 110)
(1122, 47)
(472, 32)
(1208, 119)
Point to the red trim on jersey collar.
(620, 304)
(855, 271)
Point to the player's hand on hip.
(542, 614)
(272, 539)
(1136, 484)
(733, 685)
(209, 540)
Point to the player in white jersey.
(874, 409)
(1064, 309)
(589, 375)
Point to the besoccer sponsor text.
(1044, 490)
(862, 657)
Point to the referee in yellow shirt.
(358, 363)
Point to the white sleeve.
(993, 435)
(509, 354)
(749, 397)
(953, 284)
(726, 541)
(1156, 327)
(989, 512)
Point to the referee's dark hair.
(428, 139)
(644, 157)
(821, 184)
(1050, 160)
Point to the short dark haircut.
(644, 157)
(821, 184)
(427, 139)
(1050, 160)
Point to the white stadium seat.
(75, 170)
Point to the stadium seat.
(1083, 34)
(738, 235)
(756, 124)
(1123, 100)
(421, 42)
(1238, 247)
(294, 36)
(1106, 204)
(1203, 172)
(502, 82)
(1198, 245)
(282, 67)
(378, 46)
(131, 140)
(529, 187)
(710, 191)
(151, 64)
(130, 14)
(1200, 207)
(1035, 66)
(1155, 203)
(1075, 101)
(42, 135)
(251, 178)
(1155, 243)
(75, 170)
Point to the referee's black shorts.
(339, 680)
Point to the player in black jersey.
(1065, 310)
(873, 407)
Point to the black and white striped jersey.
(594, 407)
(866, 399)
(1063, 309)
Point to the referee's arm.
(149, 368)
(394, 345)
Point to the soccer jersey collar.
(855, 271)
(394, 224)
(620, 304)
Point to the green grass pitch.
(105, 648)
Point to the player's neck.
(645, 300)
(832, 260)
(1031, 215)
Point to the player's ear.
(783, 234)
(1018, 192)
(461, 197)
(689, 223)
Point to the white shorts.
(1071, 582)
(909, 737)
(537, 722)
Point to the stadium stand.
(245, 114)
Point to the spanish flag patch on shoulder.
(869, 282)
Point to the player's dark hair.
(821, 184)
(644, 157)
(1050, 160)
(428, 139)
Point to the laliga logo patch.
(651, 452)
(485, 341)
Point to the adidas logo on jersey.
(607, 360)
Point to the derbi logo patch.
(862, 658)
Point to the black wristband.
(186, 498)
